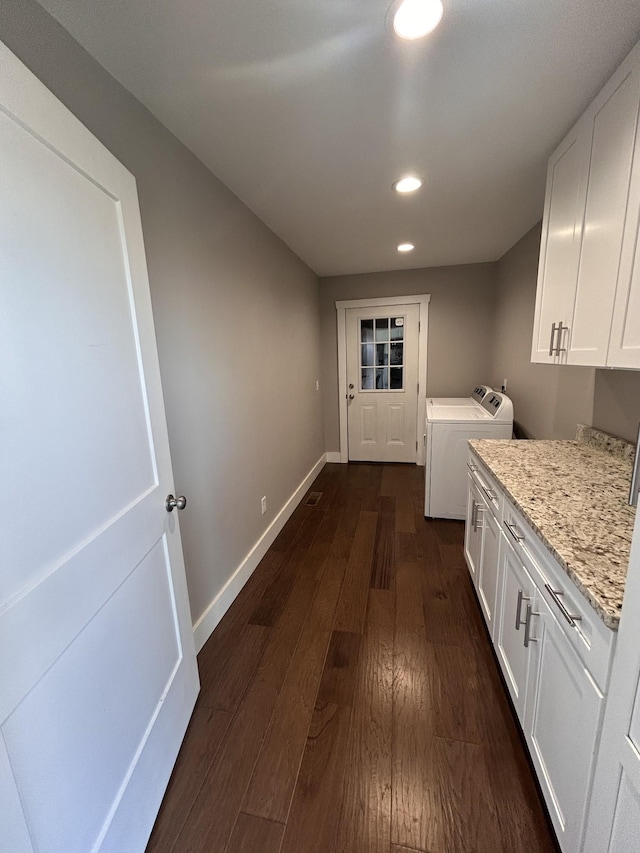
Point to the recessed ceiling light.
(406, 247)
(416, 18)
(408, 184)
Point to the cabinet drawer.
(587, 633)
(492, 493)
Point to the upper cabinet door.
(613, 123)
(588, 298)
(560, 245)
(624, 344)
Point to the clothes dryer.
(450, 423)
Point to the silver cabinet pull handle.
(490, 494)
(513, 530)
(476, 524)
(527, 627)
(555, 593)
(473, 468)
(553, 334)
(561, 329)
(473, 513)
(635, 477)
(521, 598)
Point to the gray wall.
(460, 317)
(480, 329)
(236, 315)
(616, 406)
(548, 400)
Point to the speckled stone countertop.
(574, 495)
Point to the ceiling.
(308, 111)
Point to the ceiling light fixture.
(416, 18)
(406, 247)
(408, 184)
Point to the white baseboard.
(333, 456)
(205, 625)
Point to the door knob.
(171, 503)
(351, 385)
(351, 396)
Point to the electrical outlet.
(263, 504)
(504, 386)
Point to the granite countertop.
(574, 495)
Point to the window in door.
(382, 354)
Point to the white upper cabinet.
(614, 125)
(587, 284)
(624, 344)
(560, 246)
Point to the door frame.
(422, 301)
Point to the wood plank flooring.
(350, 700)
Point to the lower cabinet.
(473, 530)
(553, 650)
(561, 724)
(487, 582)
(517, 591)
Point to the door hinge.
(418, 388)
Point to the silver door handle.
(635, 477)
(521, 598)
(527, 627)
(553, 334)
(172, 503)
(555, 593)
(351, 396)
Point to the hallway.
(350, 701)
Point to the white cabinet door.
(516, 590)
(624, 343)
(614, 121)
(560, 245)
(488, 577)
(614, 811)
(561, 725)
(473, 530)
(97, 662)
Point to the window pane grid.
(382, 354)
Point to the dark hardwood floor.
(350, 700)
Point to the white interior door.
(614, 813)
(382, 379)
(97, 662)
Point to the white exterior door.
(614, 813)
(382, 383)
(97, 662)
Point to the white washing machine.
(451, 422)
